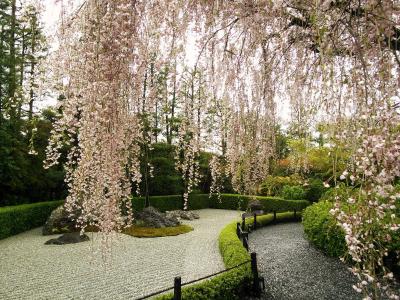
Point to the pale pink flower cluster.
(368, 218)
(252, 55)
(219, 173)
(98, 122)
(186, 158)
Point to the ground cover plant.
(137, 231)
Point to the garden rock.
(254, 205)
(151, 217)
(182, 214)
(68, 238)
(58, 222)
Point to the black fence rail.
(178, 280)
(243, 235)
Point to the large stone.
(254, 205)
(151, 217)
(59, 222)
(68, 238)
(182, 214)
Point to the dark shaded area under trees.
(24, 133)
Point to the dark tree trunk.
(22, 69)
(32, 71)
(12, 76)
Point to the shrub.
(232, 284)
(321, 229)
(166, 180)
(199, 201)
(342, 191)
(315, 190)
(269, 204)
(273, 185)
(172, 202)
(16, 219)
(295, 192)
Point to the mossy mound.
(149, 232)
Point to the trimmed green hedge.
(17, 219)
(163, 203)
(321, 229)
(270, 204)
(232, 284)
(172, 202)
(226, 201)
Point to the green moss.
(137, 231)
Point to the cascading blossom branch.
(255, 52)
(99, 124)
(186, 158)
(369, 219)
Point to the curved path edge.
(294, 269)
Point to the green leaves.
(321, 229)
(17, 219)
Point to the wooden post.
(254, 270)
(243, 222)
(295, 213)
(177, 288)
(238, 229)
(255, 221)
(245, 242)
(274, 215)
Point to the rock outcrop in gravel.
(151, 217)
(183, 214)
(58, 222)
(31, 270)
(68, 238)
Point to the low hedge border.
(229, 285)
(226, 201)
(269, 204)
(322, 231)
(173, 202)
(17, 219)
(232, 284)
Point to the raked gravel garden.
(139, 266)
(291, 266)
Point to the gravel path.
(31, 270)
(294, 269)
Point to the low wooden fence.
(243, 235)
(177, 288)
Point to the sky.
(51, 16)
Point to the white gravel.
(31, 270)
(294, 269)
